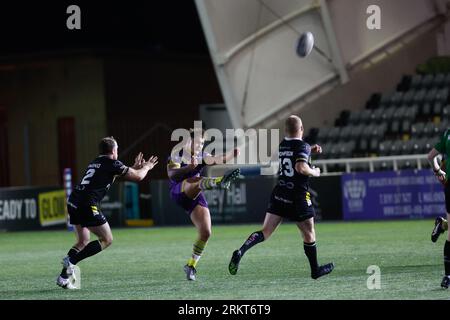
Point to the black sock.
(311, 253)
(447, 258)
(255, 238)
(72, 252)
(92, 248)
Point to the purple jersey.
(176, 186)
(179, 162)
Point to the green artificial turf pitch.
(148, 263)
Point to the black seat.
(405, 126)
(396, 147)
(417, 129)
(408, 97)
(428, 130)
(416, 81)
(384, 148)
(439, 80)
(395, 127)
(354, 117)
(427, 81)
(419, 97)
(431, 96)
(322, 136)
(333, 134)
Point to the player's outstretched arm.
(138, 173)
(304, 169)
(177, 173)
(223, 158)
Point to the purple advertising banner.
(404, 194)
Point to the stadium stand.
(407, 121)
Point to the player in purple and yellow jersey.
(186, 186)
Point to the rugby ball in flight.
(305, 44)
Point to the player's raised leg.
(271, 222)
(446, 280)
(309, 244)
(201, 219)
(193, 186)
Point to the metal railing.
(349, 164)
(323, 164)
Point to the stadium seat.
(395, 127)
(416, 82)
(388, 113)
(439, 80)
(354, 117)
(417, 129)
(408, 97)
(442, 95)
(363, 146)
(427, 81)
(365, 116)
(400, 113)
(428, 129)
(368, 131)
(426, 109)
(322, 136)
(411, 112)
(407, 147)
(386, 99)
(333, 134)
(396, 147)
(437, 108)
(374, 145)
(357, 131)
(431, 95)
(416, 147)
(405, 127)
(377, 115)
(447, 80)
(396, 98)
(344, 134)
(419, 97)
(383, 148)
(446, 112)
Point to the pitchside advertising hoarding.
(404, 194)
(32, 208)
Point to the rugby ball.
(305, 44)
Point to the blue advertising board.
(404, 194)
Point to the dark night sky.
(150, 26)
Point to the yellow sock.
(445, 225)
(197, 251)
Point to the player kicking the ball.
(290, 199)
(186, 186)
(82, 205)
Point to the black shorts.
(447, 197)
(86, 216)
(291, 205)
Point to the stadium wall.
(38, 94)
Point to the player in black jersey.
(290, 198)
(82, 204)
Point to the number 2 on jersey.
(287, 168)
(88, 175)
